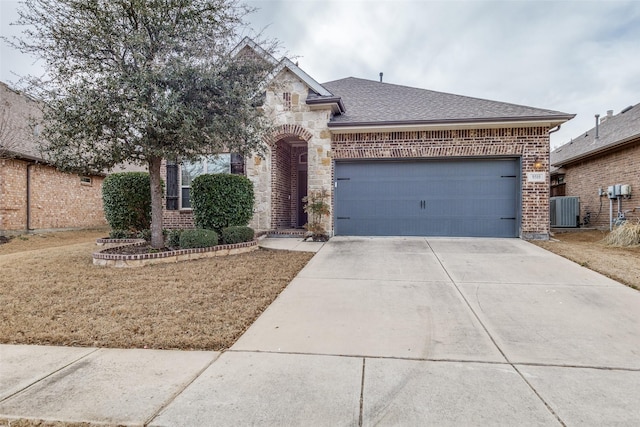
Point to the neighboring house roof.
(613, 132)
(19, 138)
(370, 102)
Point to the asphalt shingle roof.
(613, 131)
(373, 102)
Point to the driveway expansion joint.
(484, 327)
(361, 416)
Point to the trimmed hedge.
(237, 234)
(119, 234)
(198, 238)
(126, 197)
(221, 200)
(173, 237)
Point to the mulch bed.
(135, 250)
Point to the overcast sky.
(574, 56)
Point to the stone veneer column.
(286, 103)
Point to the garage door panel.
(436, 198)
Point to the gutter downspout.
(556, 129)
(29, 165)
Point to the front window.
(220, 163)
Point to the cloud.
(573, 56)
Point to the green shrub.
(237, 234)
(119, 234)
(126, 197)
(173, 237)
(221, 200)
(144, 234)
(198, 238)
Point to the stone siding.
(583, 179)
(294, 120)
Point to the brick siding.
(583, 180)
(58, 200)
(174, 218)
(524, 143)
(282, 194)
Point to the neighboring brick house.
(397, 160)
(605, 155)
(33, 194)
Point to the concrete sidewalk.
(290, 244)
(389, 331)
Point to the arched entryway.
(289, 180)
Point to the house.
(397, 160)
(33, 194)
(605, 155)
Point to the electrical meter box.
(611, 192)
(625, 190)
(618, 189)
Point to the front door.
(302, 193)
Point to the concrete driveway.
(412, 331)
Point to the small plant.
(317, 208)
(237, 234)
(627, 234)
(144, 234)
(119, 234)
(198, 238)
(173, 237)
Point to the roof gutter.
(630, 140)
(551, 121)
(21, 156)
(554, 130)
(326, 100)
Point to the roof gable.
(370, 102)
(279, 65)
(613, 132)
(247, 45)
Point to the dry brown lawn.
(52, 294)
(39, 423)
(587, 249)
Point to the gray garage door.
(470, 198)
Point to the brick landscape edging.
(102, 242)
(139, 260)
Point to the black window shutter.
(237, 164)
(172, 186)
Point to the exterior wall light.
(537, 164)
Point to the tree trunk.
(157, 239)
